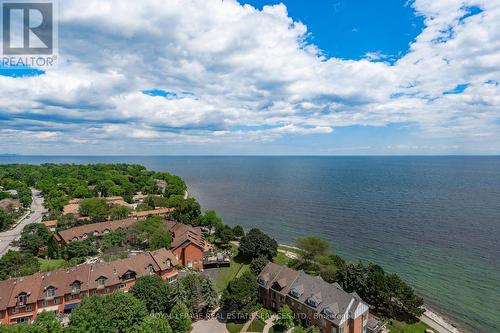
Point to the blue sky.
(350, 29)
(262, 77)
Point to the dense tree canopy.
(61, 182)
(154, 231)
(97, 209)
(196, 291)
(113, 313)
(6, 219)
(180, 319)
(312, 247)
(154, 324)
(79, 250)
(240, 298)
(154, 292)
(15, 263)
(186, 210)
(256, 244)
(33, 237)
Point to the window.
(190, 263)
(128, 275)
(294, 292)
(150, 269)
(45, 303)
(341, 329)
(122, 286)
(168, 262)
(51, 291)
(22, 320)
(172, 278)
(312, 301)
(15, 310)
(29, 308)
(101, 281)
(75, 289)
(56, 300)
(335, 329)
(22, 299)
(261, 281)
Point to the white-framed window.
(23, 298)
(150, 268)
(45, 303)
(190, 263)
(101, 281)
(56, 300)
(15, 310)
(51, 291)
(75, 288)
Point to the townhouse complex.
(188, 244)
(313, 300)
(59, 291)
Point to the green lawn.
(256, 325)
(234, 327)
(281, 259)
(51, 264)
(395, 326)
(226, 274)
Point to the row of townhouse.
(188, 243)
(59, 291)
(313, 300)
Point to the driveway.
(37, 211)
(209, 325)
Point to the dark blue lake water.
(433, 220)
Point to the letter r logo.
(27, 28)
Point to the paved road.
(37, 211)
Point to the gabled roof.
(159, 211)
(27, 284)
(284, 279)
(161, 256)
(184, 234)
(62, 279)
(328, 296)
(36, 285)
(78, 232)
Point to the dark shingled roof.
(327, 296)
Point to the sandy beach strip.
(437, 322)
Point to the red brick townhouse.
(313, 300)
(93, 229)
(188, 244)
(21, 299)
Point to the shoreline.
(438, 322)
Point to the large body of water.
(433, 220)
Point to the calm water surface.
(433, 220)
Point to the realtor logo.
(28, 30)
